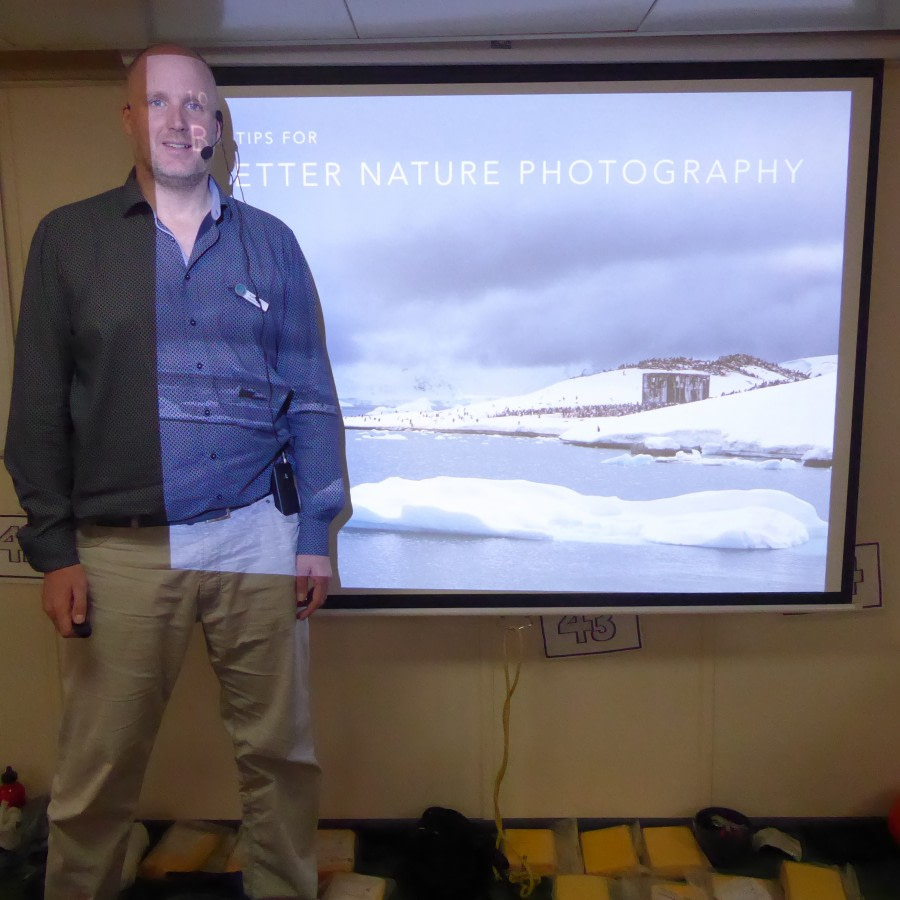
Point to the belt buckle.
(222, 518)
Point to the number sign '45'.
(582, 635)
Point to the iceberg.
(756, 519)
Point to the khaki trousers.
(116, 684)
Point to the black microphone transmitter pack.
(284, 488)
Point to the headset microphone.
(207, 152)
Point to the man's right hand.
(64, 597)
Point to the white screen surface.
(589, 340)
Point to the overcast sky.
(518, 272)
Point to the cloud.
(583, 284)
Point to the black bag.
(447, 857)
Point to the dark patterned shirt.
(145, 384)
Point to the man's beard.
(183, 181)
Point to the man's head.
(170, 115)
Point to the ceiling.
(38, 36)
(126, 25)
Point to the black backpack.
(447, 857)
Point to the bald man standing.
(172, 397)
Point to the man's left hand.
(313, 577)
(312, 591)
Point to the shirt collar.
(133, 199)
(215, 200)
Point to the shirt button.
(199, 365)
(193, 321)
(219, 497)
(213, 456)
(206, 412)
(187, 277)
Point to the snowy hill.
(794, 421)
(751, 411)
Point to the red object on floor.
(894, 820)
(11, 789)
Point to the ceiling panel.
(257, 21)
(381, 19)
(746, 16)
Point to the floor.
(396, 850)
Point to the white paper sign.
(583, 635)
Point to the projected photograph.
(583, 342)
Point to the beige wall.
(773, 715)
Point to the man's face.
(170, 118)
